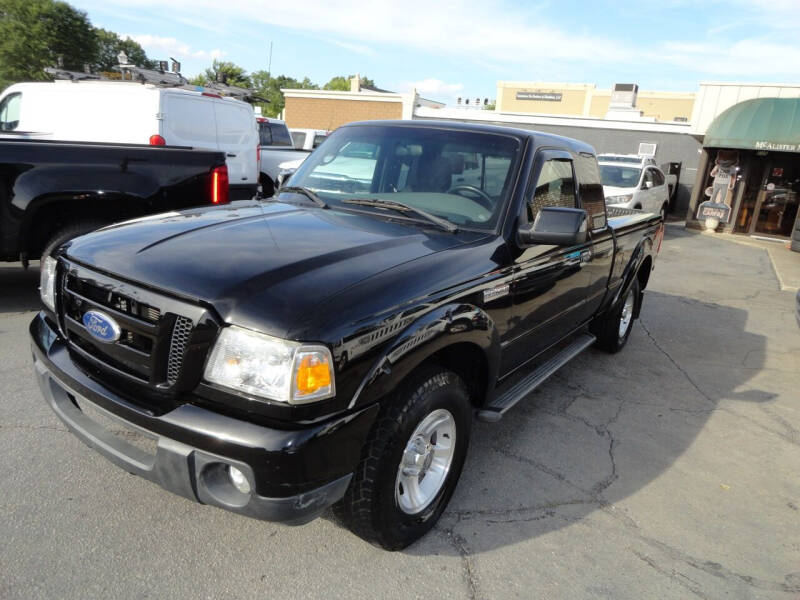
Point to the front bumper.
(294, 475)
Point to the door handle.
(229, 155)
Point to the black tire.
(369, 507)
(267, 186)
(66, 233)
(607, 327)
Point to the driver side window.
(555, 186)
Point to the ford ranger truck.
(331, 346)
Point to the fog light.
(238, 480)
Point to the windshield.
(461, 176)
(619, 176)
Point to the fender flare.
(436, 330)
(643, 249)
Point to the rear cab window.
(274, 134)
(590, 189)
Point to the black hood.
(262, 266)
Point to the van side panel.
(188, 120)
(89, 112)
(237, 132)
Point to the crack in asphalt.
(674, 362)
(594, 497)
(460, 545)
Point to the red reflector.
(210, 95)
(157, 140)
(219, 185)
(258, 153)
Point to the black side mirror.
(556, 226)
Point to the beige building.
(585, 100)
(326, 109)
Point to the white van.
(135, 113)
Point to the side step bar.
(494, 410)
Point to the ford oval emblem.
(101, 327)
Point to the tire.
(613, 328)
(377, 507)
(267, 186)
(66, 233)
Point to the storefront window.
(771, 196)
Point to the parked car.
(632, 185)
(133, 113)
(330, 347)
(625, 158)
(51, 191)
(308, 139)
(276, 147)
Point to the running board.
(494, 410)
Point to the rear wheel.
(614, 328)
(411, 462)
(267, 186)
(66, 233)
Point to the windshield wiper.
(400, 207)
(296, 189)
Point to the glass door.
(778, 202)
(753, 183)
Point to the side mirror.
(283, 176)
(556, 226)
(647, 185)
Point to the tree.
(35, 33)
(109, 44)
(270, 88)
(234, 74)
(342, 84)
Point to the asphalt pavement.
(670, 470)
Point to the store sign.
(778, 147)
(714, 210)
(545, 96)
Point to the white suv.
(134, 113)
(635, 185)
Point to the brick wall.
(324, 113)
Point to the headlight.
(269, 367)
(625, 198)
(47, 282)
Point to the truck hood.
(261, 265)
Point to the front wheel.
(411, 462)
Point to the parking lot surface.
(669, 470)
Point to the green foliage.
(270, 88)
(34, 33)
(109, 44)
(235, 74)
(490, 106)
(342, 84)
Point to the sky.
(445, 49)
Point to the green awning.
(758, 124)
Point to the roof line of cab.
(539, 137)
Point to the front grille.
(155, 330)
(177, 346)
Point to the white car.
(635, 185)
(134, 113)
(308, 139)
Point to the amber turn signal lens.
(313, 374)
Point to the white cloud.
(169, 45)
(515, 36)
(433, 87)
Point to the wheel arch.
(460, 338)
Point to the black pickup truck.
(330, 346)
(51, 191)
